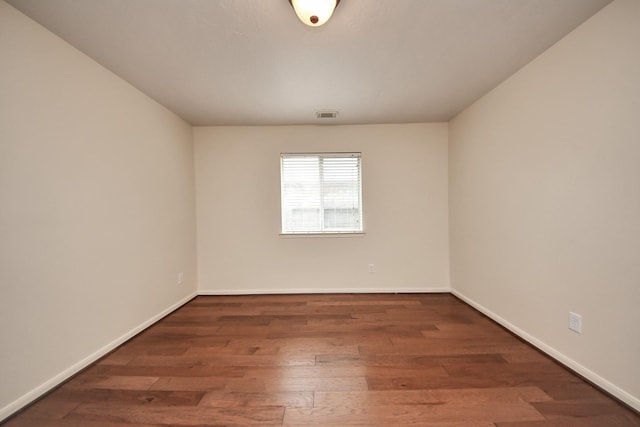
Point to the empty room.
(320, 213)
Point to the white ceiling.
(252, 62)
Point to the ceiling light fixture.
(314, 12)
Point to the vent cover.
(326, 114)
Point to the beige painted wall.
(97, 211)
(545, 200)
(404, 173)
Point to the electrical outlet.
(180, 278)
(575, 322)
(372, 268)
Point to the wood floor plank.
(326, 360)
(575, 408)
(190, 383)
(340, 371)
(423, 397)
(44, 411)
(268, 349)
(289, 399)
(167, 370)
(129, 397)
(214, 359)
(48, 422)
(372, 302)
(442, 347)
(411, 359)
(610, 420)
(115, 382)
(317, 384)
(387, 415)
(210, 416)
(295, 346)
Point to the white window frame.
(323, 229)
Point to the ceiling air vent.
(326, 114)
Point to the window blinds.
(321, 193)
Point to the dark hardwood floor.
(326, 360)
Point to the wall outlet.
(575, 322)
(180, 278)
(372, 268)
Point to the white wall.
(404, 174)
(545, 200)
(97, 211)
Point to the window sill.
(345, 234)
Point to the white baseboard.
(609, 387)
(48, 385)
(403, 290)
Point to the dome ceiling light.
(314, 12)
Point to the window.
(321, 193)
